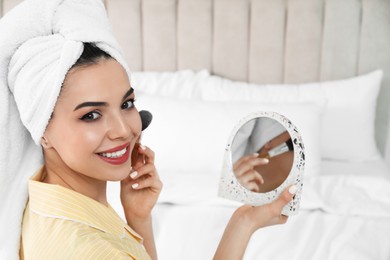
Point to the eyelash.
(87, 117)
(132, 100)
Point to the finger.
(242, 160)
(136, 158)
(283, 219)
(256, 189)
(277, 220)
(252, 186)
(249, 165)
(149, 169)
(253, 155)
(284, 198)
(251, 175)
(147, 182)
(259, 178)
(147, 152)
(126, 181)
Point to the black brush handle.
(290, 145)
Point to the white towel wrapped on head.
(40, 40)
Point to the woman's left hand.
(140, 190)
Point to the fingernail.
(255, 154)
(142, 147)
(265, 160)
(293, 189)
(133, 174)
(135, 185)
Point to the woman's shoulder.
(64, 239)
(55, 238)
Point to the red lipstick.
(117, 155)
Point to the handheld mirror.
(245, 176)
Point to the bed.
(200, 65)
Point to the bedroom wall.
(259, 41)
(6, 5)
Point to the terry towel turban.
(40, 40)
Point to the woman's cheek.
(82, 142)
(92, 138)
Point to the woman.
(93, 137)
(87, 142)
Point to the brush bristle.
(146, 118)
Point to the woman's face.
(95, 124)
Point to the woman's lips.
(115, 149)
(117, 155)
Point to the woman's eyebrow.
(128, 93)
(100, 104)
(90, 104)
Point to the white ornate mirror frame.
(230, 188)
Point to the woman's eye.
(91, 116)
(128, 104)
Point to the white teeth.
(115, 154)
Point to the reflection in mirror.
(245, 178)
(257, 141)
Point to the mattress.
(344, 214)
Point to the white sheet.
(193, 232)
(345, 214)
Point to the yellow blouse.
(60, 223)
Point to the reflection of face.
(77, 134)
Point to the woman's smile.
(117, 155)
(95, 123)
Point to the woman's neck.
(57, 172)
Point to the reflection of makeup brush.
(280, 149)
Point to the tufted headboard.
(259, 41)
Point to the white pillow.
(180, 84)
(348, 121)
(190, 136)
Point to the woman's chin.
(119, 173)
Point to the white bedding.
(193, 232)
(345, 207)
(345, 214)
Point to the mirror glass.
(262, 137)
(245, 178)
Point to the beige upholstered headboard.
(259, 41)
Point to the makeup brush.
(146, 118)
(280, 149)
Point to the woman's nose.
(119, 128)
